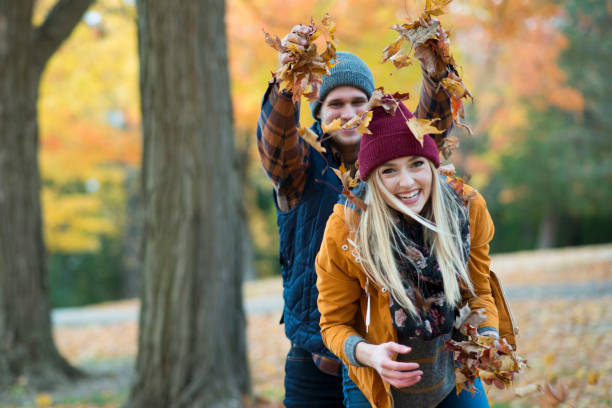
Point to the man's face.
(344, 102)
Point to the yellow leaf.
(43, 400)
(455, 87)
(311, 138)
(422, 127)
(334, 125)
(549, 359)
(593, 377)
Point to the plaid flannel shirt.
(284, 155)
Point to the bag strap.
(507, 326)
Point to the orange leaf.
(311, 138)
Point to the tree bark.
(192, 347)
(547, 230)
(27, 348)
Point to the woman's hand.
(380, 358)
(295, 38)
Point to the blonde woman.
(391, 277)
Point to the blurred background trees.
(540, 152)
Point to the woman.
(391, 277)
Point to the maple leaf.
(422, 127)
(311, 138)
(435, 7)
(360, 123)
(420, 34)
(334, 125)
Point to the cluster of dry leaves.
(493, 360)
(427, 31)
(304, 70)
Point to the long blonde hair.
(377, 237)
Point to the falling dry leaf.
(360, 123)
(334, 125)
(388, 102)
(311, 138)
(393, 48)
(422, 127)
(400, 61)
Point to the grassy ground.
(567, 341)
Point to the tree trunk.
(547, 230)
(27, 348)
(192, 347)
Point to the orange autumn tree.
(89, 125)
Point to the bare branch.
(58, 25)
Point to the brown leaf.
(388, 102)
(302, 75)
(311, 138)
(455, 87)
(393, 48)
(400, 61)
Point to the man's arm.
(435, 103)
(283, 154)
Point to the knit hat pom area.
(391, 139)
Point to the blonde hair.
(377, 236)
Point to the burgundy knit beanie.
(390, 139)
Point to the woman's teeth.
(408, 196)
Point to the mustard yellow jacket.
(342, 300)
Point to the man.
(305, 190)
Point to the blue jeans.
(307, 386)
(465, 399)
(354, 398)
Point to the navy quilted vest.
(301, 231)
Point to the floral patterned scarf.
(422, 280)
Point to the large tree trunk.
(26, 344)
(192, 347)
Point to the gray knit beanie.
(350, 70)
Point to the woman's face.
(409, 179)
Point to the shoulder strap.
(507, 327)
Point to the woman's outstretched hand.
(380, 358)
